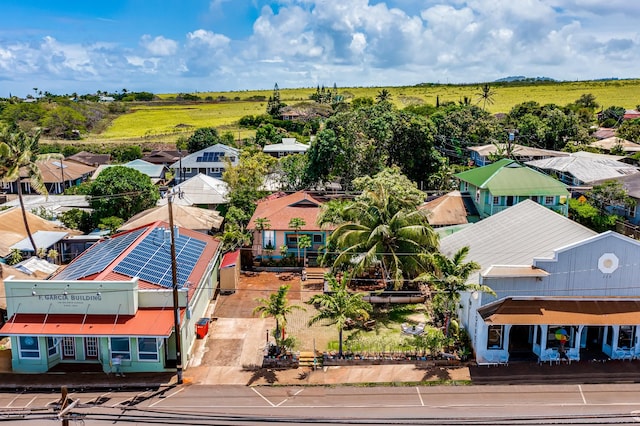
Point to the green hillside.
(165, 120)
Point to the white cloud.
(159, 46)
(355, 42)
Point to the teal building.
(115, 301)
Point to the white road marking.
(584, 400)
(420, 396)
(286, 399)
(13, 400)
(31, 402)
(261, 396)
(167, 397)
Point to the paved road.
(240, 405)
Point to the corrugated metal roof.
(480, 175)
(515, 236)
(586, 168)
(200, 189)
(43, 239)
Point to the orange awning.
(570, 311)
(146, 322)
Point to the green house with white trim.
(116, 302)
(500, 185)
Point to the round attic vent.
(608, 263)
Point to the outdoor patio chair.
(623, 354)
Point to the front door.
(91, 348)
(68, 348)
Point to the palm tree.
(20, 151)
(297, 223)
(261, 224)
(339, 305)
(398, 240)
(449, 280)
(383, 95)
(304, 242)
(278, 307)
(486, 95)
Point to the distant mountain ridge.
(522, 78)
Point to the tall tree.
(450, 279)
(19, 152)
(486, 95)
(377, 233)
(339, 305)
(277, 306)
(202, 138)
(121, 192)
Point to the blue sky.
(168, 46)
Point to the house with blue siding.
(115, 301)
(210, 161)
(562, 291)
(272, 231)
(506, 182)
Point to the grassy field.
(166, 120)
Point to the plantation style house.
(277, 211)
(210, 161)
(502, 184)
(559, 286)
(114, 301)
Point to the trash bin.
(202, 328)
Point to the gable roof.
(631, 184)
(144, 252)
(515, 236)
(43, 239)
(508, 177)
(198, 159)
(53, 170)
(200, 189)
(611, 142)
(281, 209)
(518, 150)
(448, 209)
(287, 145)
(162, 156)
(154, 171)
(586, 167)
(12, 228)
(89, 158)
(184, 216)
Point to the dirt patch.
(225, 352)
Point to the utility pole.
(176, 303)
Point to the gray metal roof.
(43, 239)
(515, 236)
(200, 189)
(586, 168)
(195, 160)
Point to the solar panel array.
(150, 260)
(98, 257)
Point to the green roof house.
(505, 183)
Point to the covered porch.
(559, 329)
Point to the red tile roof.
(146, 322)
(282, 209)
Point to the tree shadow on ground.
(267, 374)
(439, 373)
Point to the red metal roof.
(146, 322)
(281, 210)
(230, 259)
